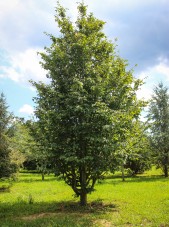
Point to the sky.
(140, 26)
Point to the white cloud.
(27, 109)
(22, 23)
(24, 66)
(152, 76)
(8, 6)
(144, 93)
(163, 68)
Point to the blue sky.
(141, 27)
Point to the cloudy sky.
(141, 26)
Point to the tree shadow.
(128, 179)
(30, 180)
(35, 177)
(153, 178)
(66, 213)
(5, 188)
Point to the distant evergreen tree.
(159, 115)
(6, 167)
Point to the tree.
(139, 154)
(20, 142)
(159, 117)
(6, 166)
(27, 146)
(39, 148)
(89, 99)
(133, 150)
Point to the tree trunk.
(122, 171)
(83, 198)
(165, 170)
(43, 176)
(83, 194)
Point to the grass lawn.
(139, 201)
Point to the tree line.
(88, 115)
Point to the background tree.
(133, 150)
(38, 149)
(81, 110)
(159, 117)
(6, 166)
(21, 143)
(139, 154)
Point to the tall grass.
(139, 201)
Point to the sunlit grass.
(139, 201)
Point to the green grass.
(139, 201)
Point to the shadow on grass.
(137, 179)
(30, 180)
(152, 178)
(67, 213)
(27, 178)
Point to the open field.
(139, 201)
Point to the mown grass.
(139, 201)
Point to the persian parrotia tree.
(79, 109)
